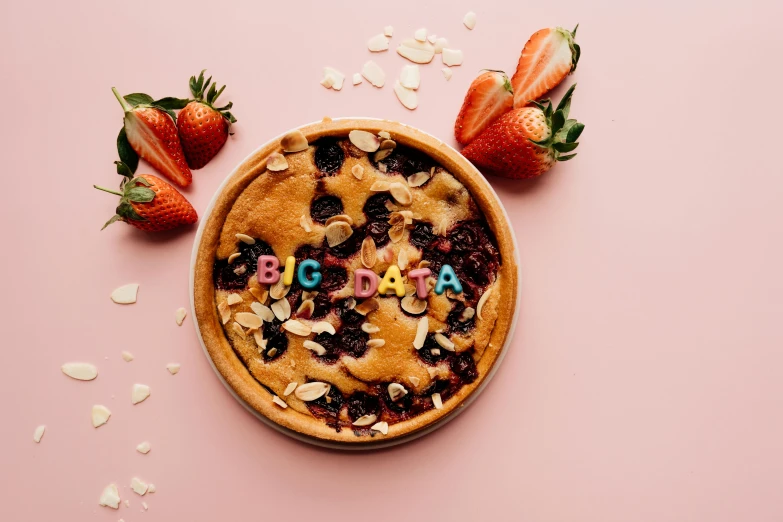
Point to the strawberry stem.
(125, 105)
(108, 190)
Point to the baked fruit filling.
(358, 363)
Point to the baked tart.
(305, 341)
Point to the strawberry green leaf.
(171, 103)
(566, 100)
(127, 155)
(123, 169)
(574, 132)
(138, 98)
(141, 181)
(140, 195)
(565, 158)
(558, 119)
(560, 147)
(115, 217)
(125, 211)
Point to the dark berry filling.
(375, 207)
(425, 352)
(329, 155)
(276, 340)
(333, 278)
(325, 207)
(347, 315)
(234, 276)
(454, 319)
(331, 344)
(406, 161)
(464, 367)
(361, 404)
(378, 231)
(421, 235)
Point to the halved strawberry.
(547, 58)
(489, 96)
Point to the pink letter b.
(267, 270)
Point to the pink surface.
(644, 382)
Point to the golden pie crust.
(269, 205)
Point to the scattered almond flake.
(125, 294)
(297, 328)
(139, 393)
(173, 368)
(413, 305)
(309, 294)
(100, 415)
(127, 504)
(327, 81)
(388, 144)
(431, 38)
(248, 320)
(279, 290)
(369, 252)
(259, 294)
(138, 486)
(225, 311)
(415, 51)
(294, 141)
(365, 420)
(364, 140)
(396, 233)
(272, 352)
(315, 347)
(367, 306)
(180, 315)
(110, 497)
(370, 328)
(290, 389)
(388, 31)
(470, 20)
(306, 309)
(418, 179)
(397, 391)
(339, 217)
(435, 351)
(375, 343)
(382, 167)
(258, 337)
(382, 427)
(357, 171)
(408, 97)
(451, 57)
(420, 35)
(444, 342)
(145, 506)
(323, 326)
(421, 332)
(436, 401)
(311, 391)
(152, 488)
(143, 447)
(281, 309)
(280, 402)
(39, 433)
(373, 73)
(382, 155)
(336, 76)
(357, 78)
(127, 356)
(240, 270)
(233, 299)
(440, 43)
(306, 223)
(384, 135)
(447, 73)
(378, 43)
(401, 193)
(410, 77)
(80, 371)
(482, 301)
(414, 380)
(233, 257)
(337, 232)
(432, 371)
(246, 239)
(402, 260)
(350, 303)
(276, 162)
(467, 314)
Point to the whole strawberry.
(149, 203)
(526, 142)
(150, 130)
(203, 128)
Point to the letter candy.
(288, 273)
(315, 278)
(362, 277)
(447, 278)
(420, 276)
(392, 280)
(267, 270)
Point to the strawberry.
(489, 96)
(549, 56)
(203, 128)
(526, 142)
(149, 131)
(149, 203)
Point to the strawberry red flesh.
(488, 98)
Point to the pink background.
(643, 384)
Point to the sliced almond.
(388, 31)
(281, 309)
(179, 316)
(327, 81)
(345, 218)
(402, 260)
(452, 57)
(444, 342)
(125, 294)
(311, 391)
(127, 356)
(364, 140)
(357, 78)
(420, 35)
(431, 38)
(350, 303)
(416, 51)
(276, 162)
(469, 20)
(323, 326)
(279, 290)
(382, 154)
(110, 497)
(375, 343)
(151, 489)
(388, 144)
(357, 171)
(382, 167)
(240, 270)
(272, 352)
(424, 263)
(262, 311)
(138, 486)
(447, 73)
(467, 314)
(397, 391)
(401, 193)
(410, 77)
(246, 239)
(365, 420)
(233, 257)
(337, 78)
(382, 427)
(408, 97)
(290, 389)
(258, 337)
(421, 332)
(233, 299)
(482, 301)
(100, 415)
(414, 380)
(385, 135)
(143, 447)
(373, 73)
(413, 305)
(367, 306)
(315, 347)
(294, 141)
(306, 223)
(435, 351)
(306, 309)
(139, 393)
(337, 232)
(173, 368)
(432, 371)
(80, 371)
(225, 311)
(370, 328)
(418, 179)
(297, 328)
(39, 433)
(440, 43)
(378, 43)
(397, 233)
(248, 320)
(369, 252)
(280, 402)
(309, 294)
(260, 294)
(436, 401)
